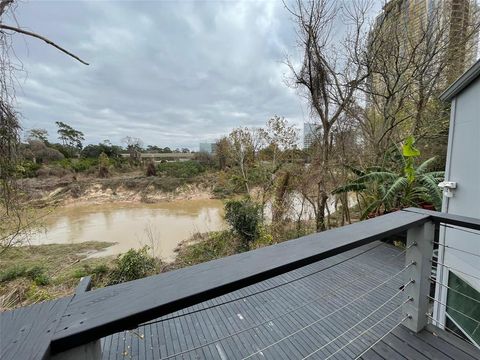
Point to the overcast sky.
(174, 73)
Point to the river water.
(161, 226)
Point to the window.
(463, 307)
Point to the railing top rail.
(101, 312)
(451, 219)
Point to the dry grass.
(31, 274)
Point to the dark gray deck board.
(444, 347)
(332, 279)
(26, 332)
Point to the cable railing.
(299, 307)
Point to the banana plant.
(385, 189)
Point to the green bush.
(29, 169)
(78, 165)
(13, 273)
(244, 216)
(180, 169)
(35, 273)
(206, 247)
(132, 265)
(80, 272)
(100, 269)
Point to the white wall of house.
(463, 167)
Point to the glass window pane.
(463, 305)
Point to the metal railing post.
(419, 252)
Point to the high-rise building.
(209, 148)
(416, 24)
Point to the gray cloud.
(172, 73)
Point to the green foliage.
(132, 265)
(401, 185)
(78, 165)
(244, 216)
(13, 273)
(180, 169)
(410, 153)
(264, 238)
(36, 294)
(206, 247)
(35, 273)
(69, 136)
(100, 269)
(80, 272)
(94, 151)
(28, 169)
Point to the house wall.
(463, 167)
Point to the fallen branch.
(48, 41)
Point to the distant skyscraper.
(208, 148)
(310, 133)
(458, 18)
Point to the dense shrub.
(181, 169)
(13, 273)
(35, 273)
(132, 265)
(94, 151)
(78, 165)
(244, 216)
(29, 169)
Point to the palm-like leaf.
(423, 167)
(432, 191)
(398, 186)
(352, 187)
(377, 176)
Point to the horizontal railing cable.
(257, 292)
(277, 317)
(361, 321)
(454, 269)
(330, 314)
(370, 328)
(460, 229)
(456, 310)
(262, 323)
(455, 290)
(456, 249)
(382, 337)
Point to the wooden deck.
(353, 272)
(326, 295)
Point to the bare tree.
(410, 61)
(329, 76)
(134, 146)
(242, 149)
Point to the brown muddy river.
(161, 226)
